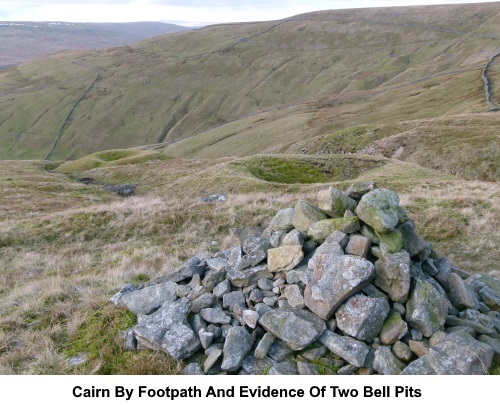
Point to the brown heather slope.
(173, 87)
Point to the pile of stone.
(345, 286)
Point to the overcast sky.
(181, 10)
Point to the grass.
(110, 158)
(66, 250)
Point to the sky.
(186, 12)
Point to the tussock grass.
(59, 265)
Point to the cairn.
(345, 286)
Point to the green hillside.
(176, 86)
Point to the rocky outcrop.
(322, 291)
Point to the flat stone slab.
(351, 350)
(297, 328)
(149, 299)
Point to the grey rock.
(294, 296)
(271, 301)
(386, 363)
(314, 354)
(460, 294)
(331, 324)
(213, 315)
(394, 328)
(192, 369)
(307, 368)
(369, 233)
(225, 330)
(276, 238)
(399, 308)
(182, 290)
(197, 323)
(284, 368)
(351, 350)
(358, 245)
(319, 231)
(231, 299)
(467, 329)
(248, 237)
(402, 351)
(335, 279)
(129, 340)
(283, 304)
(416, 335)
(149, 299)
(494, 344)
(297, 328)
(362, 317)
(429, 267)
(195, 281)
(324, 249)
(262, 308)
(279, 281)
(392, 275)
(217, 263)
(426, 309)
(293, 237)
(420, 348)
(249, 288)
(481, 280)
(339, 238)
(196, 292)
(309, 246)
(215, 330)
(283, 220)
(264, 345)
(284, 258)
(257, 366)
(334, 202)
(255, 256)
(299, 276)
(211, 360)
(222, 288)
(168, 330)
(347, 370)
(212, 278)
(117, 298)
(462, 273)
(358, 190)
(489, 297)
(248, 276)
(265, 284)
(237, 345)
(205, 300)
(305, 214)
(454, 353)
(391, 240)
(234, 256)
(187, 270)
(444, 270)
(250, 318)
(206, 338)
(256, 296)
(374, 292)
(412, 243)
(378, 209)
(279, 351)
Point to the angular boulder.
(334, 202)
(296, 328)
(284, 258)
(351, 350)
(362, 317)
(392, 275)
(168, 330)
(426, 309)
(379, 209)
(335, 279)
(149, 299)
(319, 231)
(305, 214)
(237, 345)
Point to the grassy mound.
(110, 158)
